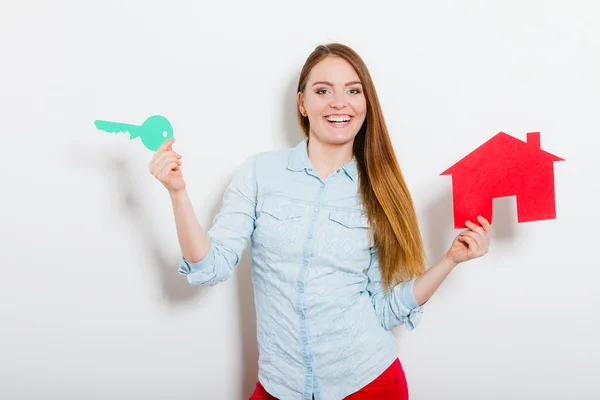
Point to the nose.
(338, 101)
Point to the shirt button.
(338, 171)
(310, 235)
(316, 210)
(306, 342)
(309, 369)
(301, 290)
(305, 263)
(302, 316)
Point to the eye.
(355, 91)
(321, 91)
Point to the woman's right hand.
(165, 166)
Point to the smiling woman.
(337, 256)
(331, 97)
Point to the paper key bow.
(153, 132)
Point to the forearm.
(193, 240)
(427, 283)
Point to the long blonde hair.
(384, 192)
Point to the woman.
(337, 254)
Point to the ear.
(300, 102)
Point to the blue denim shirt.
(323, 318)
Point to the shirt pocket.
(282, 209)
(280, 223)
(346, 236)
(350, 219)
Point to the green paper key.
(153, 132)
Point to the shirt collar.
(299, 161)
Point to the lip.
(339, 115)
(338, 126)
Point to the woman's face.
(334, 101)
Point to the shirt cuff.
(416, 311)
(408, 295)
(204, 265)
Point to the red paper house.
(504, 166)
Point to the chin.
(342, 140)
(336, 135)
(341, 137)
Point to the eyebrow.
(331, 84)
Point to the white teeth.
(342, 119)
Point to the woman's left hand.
(471, 243)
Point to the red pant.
(390, 385)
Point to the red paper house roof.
(501, 150)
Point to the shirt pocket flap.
(282, 208)
(350, 219)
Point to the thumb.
(170, 147)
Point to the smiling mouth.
(338, 120)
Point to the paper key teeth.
(110, 127)
(118, 127)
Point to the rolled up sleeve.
(394, 307)
(231, 230)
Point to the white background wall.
(91, 304)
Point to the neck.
(326, 157)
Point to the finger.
(478, 238)
(164, 167)
(167, 171)
(484, 224)
(163, 147)
(470, 242)
(169, 166)
(170, 148)
(160, 163)
(474, 227)
(169, 155)
(172, 153)
(480, 242)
